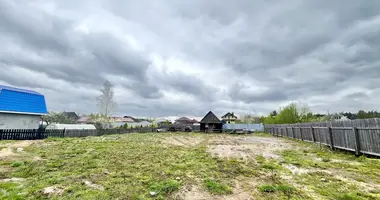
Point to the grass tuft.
(216, 187)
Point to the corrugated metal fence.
(359, 136)
(256, 127)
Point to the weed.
(17, 164)
(326, 159)
(286, 189)
(216, 187)
(267, 188)
(260, 159)
(165, 187)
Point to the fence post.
(331, 138)
(312, 134)
(63, 132)
(301, 132)
(1, 134)
(292, 132)
(287, 131)
(277, 130)
(357, 140)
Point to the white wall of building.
(19, 121)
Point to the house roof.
(210, 118)
(83, 119)
(183, 119)
(123, 119)
(186, 119)
(16, 100)
(229, 115)
(72, 115)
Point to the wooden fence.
(359, 136)
(34, 134)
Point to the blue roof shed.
(15, 100)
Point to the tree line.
(301, 113)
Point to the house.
(21, 109)
(185, 121)
(83, 120)
(130, 117)
(229, 118)
(211, 123)
(72, 115)
(118, 121)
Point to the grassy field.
(182, 166)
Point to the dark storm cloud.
(34, 29)
(295, 50)
(236, 93)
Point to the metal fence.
(256, 127)
(360, 140)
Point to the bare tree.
(105, 101)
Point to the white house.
(20, 109)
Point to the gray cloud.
(248, 56)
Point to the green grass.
(137, 164)
(317, 159)
(141, 166)
(216, 187)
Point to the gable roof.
(229, 115)
(210, 118)
(16, 100)
(71, 115)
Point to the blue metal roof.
(21, 101)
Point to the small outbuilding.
(211, 123)
(20, 108)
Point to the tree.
(57, 117)
(273, 114)
(105, 101)
(292, 113)
(250, 119)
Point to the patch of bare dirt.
(247, 147)
(12, 149)
(183, 140)
(53, 190)
(93, 185)
(296, 170)
(243, 189)
(193, 193)
(196, 193)
(12, 180)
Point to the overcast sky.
(171, 57)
